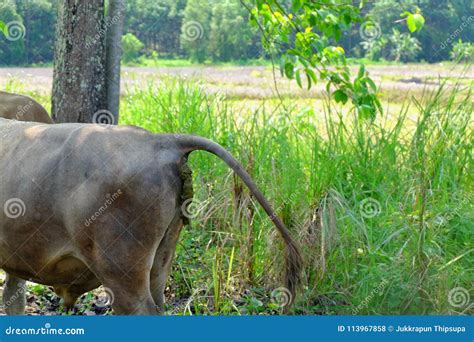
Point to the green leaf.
(419, 21)
(298, 78)
(411, 24)
(337, 32)
(361, 71)
(340, 96)
(328, 87)
(297, 5)
(312, 74)
(366, 112)
(289, 70)
(313, 19)
(282, 66)
(371, 84)
(378, 105)
(3, 27)
(309, 80)
(415, 22)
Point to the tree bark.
(114, 23)
(79, 89)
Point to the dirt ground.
(41, 300)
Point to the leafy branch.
(306, 33)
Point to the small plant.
(374, 48)
(462, 52)
(403, 47)
(37, 289)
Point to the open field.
(398, 82)
(383, 210)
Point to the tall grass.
(382, 210)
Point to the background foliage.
(227, 34)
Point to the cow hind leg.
(14, 297)
(123, 270)
(129, 294)
(130, 297)
(163, 261)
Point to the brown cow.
(85, 205)
(22, 108)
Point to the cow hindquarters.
(127, 286)
(14, 297)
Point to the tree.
(156, 23)
(113, 53)
(195, 30)
(79, 63)
(444, 18)
(226, 42)
(39, 38)
(80, 80)
(12, 33)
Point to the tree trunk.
(114, 23)
(79, 91)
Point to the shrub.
(131, 47)
(403, 47)
(462, 52)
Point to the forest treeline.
(220, 31)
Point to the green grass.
(144, 61)
(383, 211)
(183, 62)
(159, 62)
